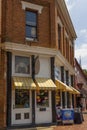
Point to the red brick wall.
(13, 30)
(2, 89)
(15, 23)
(0, 18)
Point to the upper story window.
(59, 36)
(22, 65)
(31, 25)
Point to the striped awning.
(75, 91)
(45, 83)
(23, 83)
(61, 86)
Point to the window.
(42, 98)
(57, 73)
(22, 65)
(59, 36)
(31, 25)
(22, 98)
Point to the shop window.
(57, 98)
(22, 98)
(22, 65)
(42, 98)
(31, 25)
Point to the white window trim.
(13, 66)
(59, 21)
(31, 6)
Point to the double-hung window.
(59, 36)
(31, 25)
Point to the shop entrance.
(43, 107)
(21, 107)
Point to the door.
(21, 107)
(43, 107)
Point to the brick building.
(36, 61)
(81, 84)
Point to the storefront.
(22, 100)
(43, 105)
(61, 87)
(32, 94)
(29, 98)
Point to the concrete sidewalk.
(82, 126)
(37, 128)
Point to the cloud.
(70, 4)
(83, 33)
(82, 52)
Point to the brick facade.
(2, 89)
(13, 30)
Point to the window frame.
(13, 66)
(59, 36)
(36, 27)
(42, 106)
(24, 104)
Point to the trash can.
(78, 116)
(67, 116)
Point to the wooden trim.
(72, 80)
(62, 74)
(67, 77)
(53, 106)
(9, 87)
(52, 68)
(33, 66)
(33, 107)
(62, 79)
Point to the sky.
(78, 13)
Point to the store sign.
(37, 65)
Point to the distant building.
(81, 84)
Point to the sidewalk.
(82, 126)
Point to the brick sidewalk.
(82, 126)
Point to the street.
(82, 126)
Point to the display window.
(42, 98)
(22, 65)
(57, 98)
(22, 98)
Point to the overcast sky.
(78, 13)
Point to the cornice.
(65, 63)
(14, 47)
(26, 49)
(66, 16)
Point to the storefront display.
(42, 98)
(22, 98)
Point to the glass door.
(21, 106)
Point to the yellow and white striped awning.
(61, 86)
(75, 91)
(45, 83)
(23, 83)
